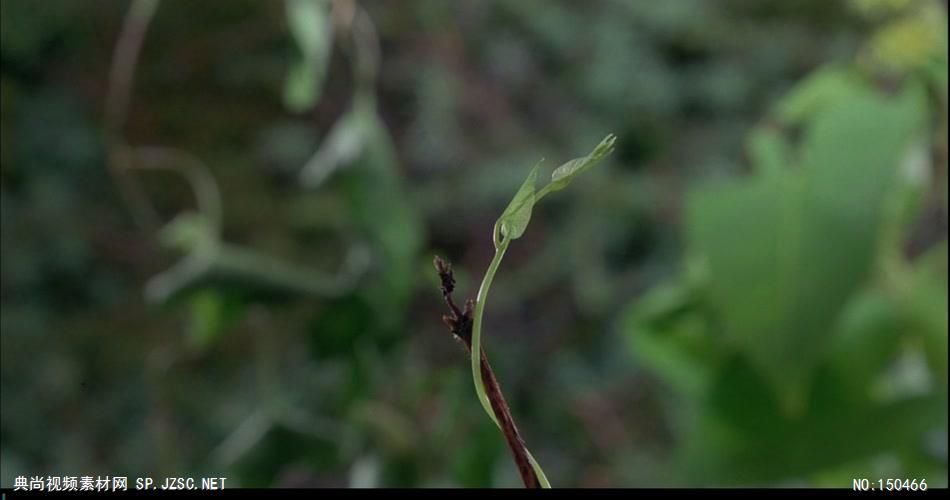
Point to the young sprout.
(510, 226)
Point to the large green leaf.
(768, 150)
(747, 437)
(811, 95)
(926, 307)
(867, 339)
(669, 334)
(785, 252)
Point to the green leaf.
(675, 344)
(301, 87)
(310, 26)
(745, 436)
(212, 311)
(563, 175)
(786, 252)
(867, 339)
(514, 220)
(822, 87)
(926, 307)
(768, 151)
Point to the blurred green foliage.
(798, 306)
(751, 290)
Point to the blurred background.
(219, 219)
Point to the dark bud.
(445, 274)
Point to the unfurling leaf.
(510, 226)
(563, 175)
(514, 220)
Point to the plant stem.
(477, 326)
(482, 361)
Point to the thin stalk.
(477, 327)
(121, 76)
(502, 245)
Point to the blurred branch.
(210, 262)
(244, 437)
(352, 19)
(124, 62)
(460, 323)
(208, 259)
(368, 50)
(193, 170)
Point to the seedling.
(466, 324)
